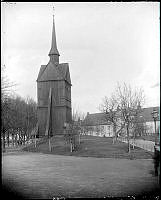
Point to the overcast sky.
(104, 43)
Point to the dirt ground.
(37, 175)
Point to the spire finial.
(53, 11)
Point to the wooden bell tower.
(53, 93)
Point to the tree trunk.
(35, 140)
(28, 136)
(128, 139)
(8, 134)
(4, 146)
(134, 141)
(129, 150)
(12, 139)
(19, 137)
(115, 136)
(71, 145)
(16, 139)
(79, 138)
(24, 137)
(49, 145)
(113, 140)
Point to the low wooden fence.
(72, 139)
(143, 144)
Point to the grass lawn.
(148, 137)
(38, 175)
(91, 146)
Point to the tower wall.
(60, 108)
(42, 116)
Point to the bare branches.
(77, 115)
(110, 108)
(123, 107)
(6, 85)
(18, 117)
(18, 114)
(130, 101)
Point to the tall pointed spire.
(54, 53)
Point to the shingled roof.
(42, 68)
(64, 70)
(95, 119)
(99, 118)
(52, 72)
(146, 113)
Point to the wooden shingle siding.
(61, 102)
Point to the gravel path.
(37, 175)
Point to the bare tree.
(77, 115)
(72, 130)
(110, 108)
(6, 88)
(6, 84)
(77, 119)
(122, 110)
(18, 115)
(30, 116)
(130, 102)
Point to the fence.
(72, 138)
(143, 144)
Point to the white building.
(96, 124)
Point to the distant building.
(96, 124)
(146, 118)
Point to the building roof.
(42, 68)
(95, 119)
(49, 72)
(146, 114)
(64, 70)
(100, 118)
(53, 50)
(52, 72)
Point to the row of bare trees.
(122, 110)
(18, 115)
